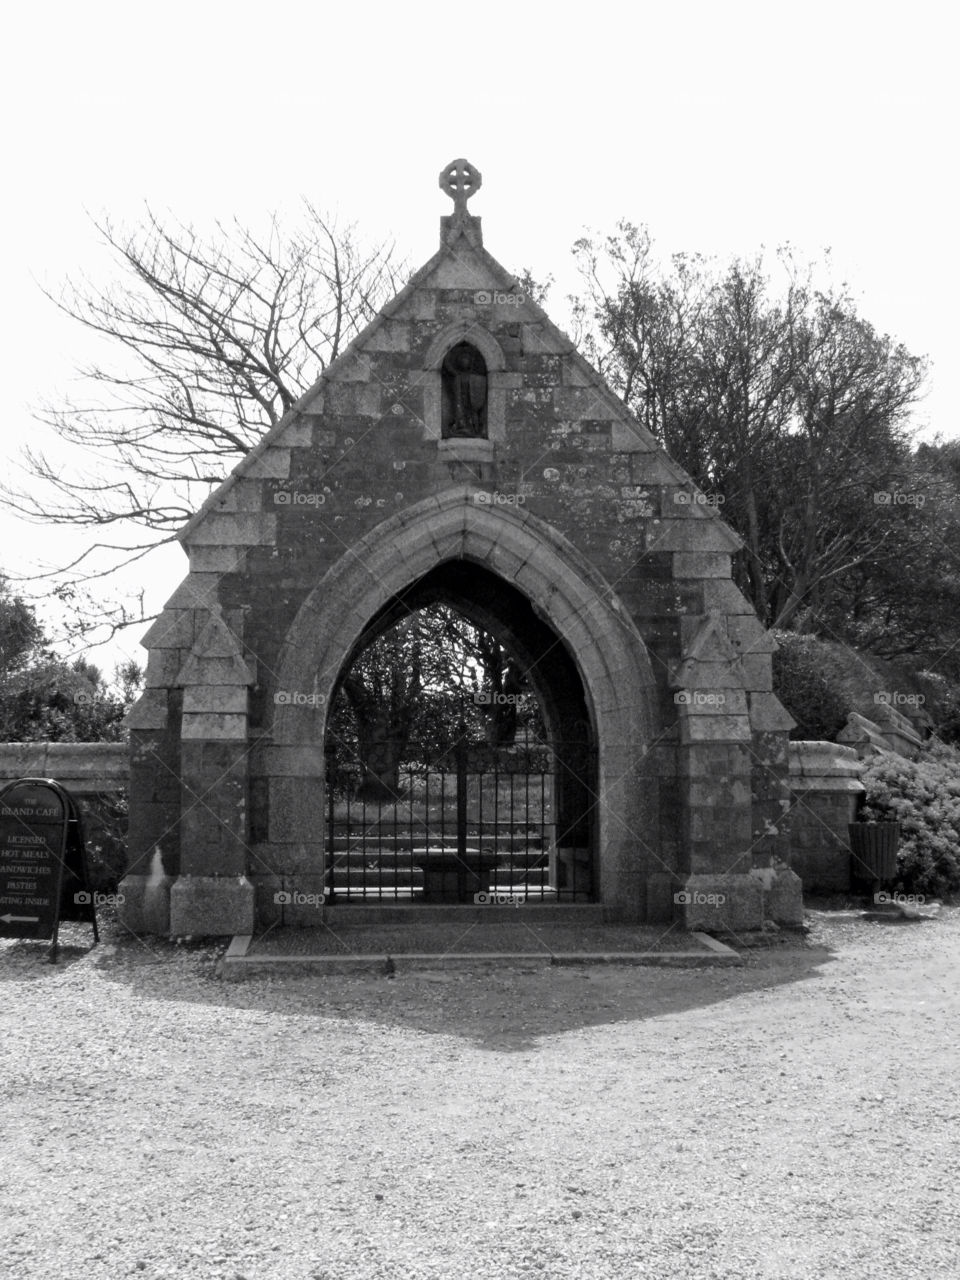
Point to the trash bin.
(873, 848)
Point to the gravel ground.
(796, 1117)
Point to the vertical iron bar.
(345, 869)
(528, 823)
(443, 805)
(496, 799)
(543, 808)
(329, 860)
(461, 804)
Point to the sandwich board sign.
(43, 862)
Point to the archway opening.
(460, 753)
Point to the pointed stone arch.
(565, 591)
(465, 331)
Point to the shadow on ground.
(500, 1009)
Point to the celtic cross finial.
(460, 180)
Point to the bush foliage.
(924, 796)
(105, 834)
(808, 688)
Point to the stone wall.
(826, 793)
(85, 768)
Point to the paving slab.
(378, 948)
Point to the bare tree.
(216, 337)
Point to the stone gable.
(356, 488)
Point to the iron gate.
(473, 819)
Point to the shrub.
(807, 686)
(924, 796)
(105, 833)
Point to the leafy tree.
(788, 408)
(417, 688)
(46, 699)
(21, 636)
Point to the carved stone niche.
(476, 448)
(463, 393)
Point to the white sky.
(721, 126)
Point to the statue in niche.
(464, 391)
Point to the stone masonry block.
(204, 671)
(213, 559)
(573, 374)
(272, 464)
(712, 699)
(295, 807)
(701, 564)
(214, 727)
(299, 433)
(211, 906)
(174, 629)
(726, 904)
(748, 635)
(150, 711)
(691, 535)
(216, 699)
(768, 714)
(757, 671)
(782, 895)
(714, 729)
(359, 368)
(246, 529)
(726, 597)
(630, 437)
(715, 759)
(162, 668)
(392, 335)
(196, 591)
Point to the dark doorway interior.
(460, 754)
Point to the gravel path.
(797, 1117)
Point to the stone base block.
(721, 904)
(301, 901)
(144, 904)
(782, 895)
(211, 906)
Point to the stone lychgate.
(460, 448)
